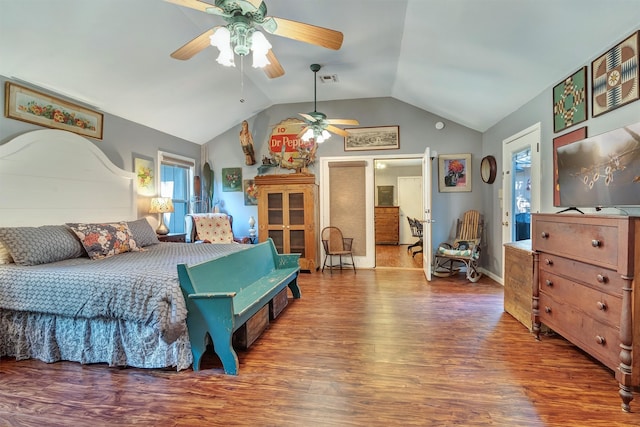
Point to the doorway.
(404, 175)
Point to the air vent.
(328, 78)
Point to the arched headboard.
(54, 176)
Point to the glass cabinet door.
(296, 223)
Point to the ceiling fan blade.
(274, 69)
(198, 5)
(194, 46)
(304, 129)
(308, 117)
(331, 39)
(342, 122)
(338, 131)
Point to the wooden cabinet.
(518, 281)
(288, 214)
(586, 289)
(387, 223)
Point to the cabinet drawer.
(599, 305)
(582, 330)
(589, 242)
(597, 277)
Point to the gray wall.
(540, 109)
(121, 140)
(417, 131)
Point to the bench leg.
(224, 349)
(295, 289)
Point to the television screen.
(601, 171)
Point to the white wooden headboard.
(50, 177)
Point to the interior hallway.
(397, 256)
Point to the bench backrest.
(232, 272)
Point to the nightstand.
(173, 237)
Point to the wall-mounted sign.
(287, 149)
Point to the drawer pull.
(548, 283)
(602, 306)
(544, 235)
(600, 340)
(547, 309)
(547, 261)
(602, 279)
(595, 243)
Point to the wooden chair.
(336, 245)
(464, 251)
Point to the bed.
(124, 308)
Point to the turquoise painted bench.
(222, 294)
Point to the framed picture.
(385, 195)
(614, 76)
(145, 176)
(570, 101)
(250, 192)
(373, 138)
(454, 173)
(558, 142)
(231, 179)
(30, 106)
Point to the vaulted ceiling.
(469, 61)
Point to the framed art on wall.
(231, 179)
(250, 192)
(614, 76)
(558, 142)
(372, 138)
(454, 173)
(570, 101)
(145, 176)
(31, 106)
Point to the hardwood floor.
(377, 348)
(397, 256)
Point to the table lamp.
(161, 205)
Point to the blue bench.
(222, 294)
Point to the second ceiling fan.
(318, 125)
(240, 35)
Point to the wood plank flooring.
(377, 348)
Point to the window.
(176, 174)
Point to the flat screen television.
(600, 171)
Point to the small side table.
(173, 237)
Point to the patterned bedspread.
(135, 286)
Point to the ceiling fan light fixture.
(260, 47)
(222, 40)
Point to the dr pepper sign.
(286, 147)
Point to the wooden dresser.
(585, 269)
(387, 223)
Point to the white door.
(427, 221)
(520, 184)
(410, 205)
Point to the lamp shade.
(161, 205)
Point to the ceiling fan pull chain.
(241, 79)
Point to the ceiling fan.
(240, 35)
(317, 124)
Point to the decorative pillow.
(40, 245)
(105, 240)
(143, 233)
(213, 228)
(461, 248)
(5, 256)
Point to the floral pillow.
(213, 228)
(105, 240)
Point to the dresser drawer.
(595, 243)
(596, 338)
(597, 277)
(599, 305)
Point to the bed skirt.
(53, 338)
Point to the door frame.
(369, 259)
